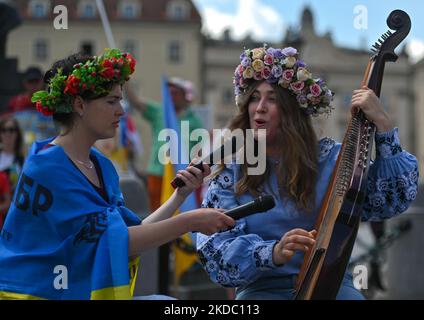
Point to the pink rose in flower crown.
(257, 76)
(297, 86)
(240, 70)
(266, 72)
(315, 90)
(268, 59)
(288, 74)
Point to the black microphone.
(260, 204)
(209, 160)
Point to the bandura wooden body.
(338, 221)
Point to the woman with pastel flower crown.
(262, 255)
(68, 234)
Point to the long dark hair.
(18, 147)
(299, 161)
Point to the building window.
(130, 46)
(87, 47)
(174, 52)
(39, 8)
(129, 9)
(87, 10)
(41, 50)
(178, 10)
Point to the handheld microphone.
(209, 160)
(260, 204)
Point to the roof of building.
(151, 11)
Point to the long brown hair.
(299, 157)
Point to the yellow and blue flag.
(61, 238)
(183, 260)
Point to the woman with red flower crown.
(68, 211)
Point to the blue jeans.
(283, 289)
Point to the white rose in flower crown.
(248, 73)
(258, 65)
(258, 53)
(290, 62)
(303, 74)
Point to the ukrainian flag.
(183, 260)
(61, 238)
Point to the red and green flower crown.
(282, 67)
(93, 78)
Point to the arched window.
(129, 9)
(87, 9)
(39, 8)
(178, 10)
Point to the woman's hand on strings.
(366, 100)
(292, 241)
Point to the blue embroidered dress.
(242, 256)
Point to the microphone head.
(265, 202)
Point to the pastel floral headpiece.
(282, 67)
(93, 78)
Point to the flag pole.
(106, 24)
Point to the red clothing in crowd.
(21, 102)
(4, 189)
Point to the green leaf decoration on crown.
(92, 79)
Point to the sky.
(267, 20)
